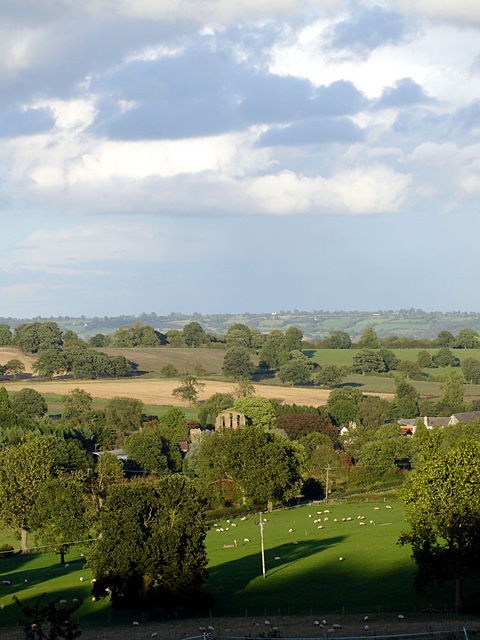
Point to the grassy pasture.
(303, 579)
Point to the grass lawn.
(308, 577)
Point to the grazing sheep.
(94, 599)
(324, 622)
(277, 557)
(400, 617)
(2, 606)
(326, 511)
(335, 520)
(341, 559)
(228, 521)
(66, 565)
(154, 635)
(233, 524)
(93, 580)
(210, 628)
(75, 600)
(348, 519)
(336, 626)
(63, 601)
(365, 618)
(290, 531)
(316, 623)
(243, 518)
(388, 507)
(25, 581)
(320, 526)
(376, 508)
(135, 623)
(246, 540)
(361, 523)
(344, 519)
(366, 627)
(81, 578)
(309, 515)
(267, 622)
(5, 581)
(294, 542)
(325, 519)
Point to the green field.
(308, 577)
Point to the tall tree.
(61, 515)
(151, 551)
(297, 370)
(453, 391)
(238, 364)
(466, 339)
(24, 468)
(369, 339)
(442, 506)
(338, 340)
(189, 388)
(194, 335)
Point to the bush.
(6, 550)
(168, 371)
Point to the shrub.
(6, 550)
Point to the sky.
(229, 156)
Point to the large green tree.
(466, 339)
(442, 507)
(151, 552)
(250, 465)
(152, 451)
(338, 340)
(24, 469)
(29, 403)
(366, 361)
(61, 515)
(237, 363)
(297, 370)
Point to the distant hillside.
(412, 323)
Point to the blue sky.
(230, 156)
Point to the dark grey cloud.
(321, 131)
(404, 93)
(206, 91)
(18, 122)
(368, 29)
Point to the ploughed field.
(305, 575)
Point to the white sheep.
(294, 542)
(290, 531)
(400, 617)
(246, 540)
(135, 623)
(154, 635)
(388, 507)
(366, 627)
(320, 526)
(341, 559)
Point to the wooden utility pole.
(263, 548)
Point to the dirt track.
(159, 392)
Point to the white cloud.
(367, 190)
(466, 11)
(439, 59)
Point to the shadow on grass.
(297, 583)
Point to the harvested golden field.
(153, 359)
(14, 353)
(159, 391)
